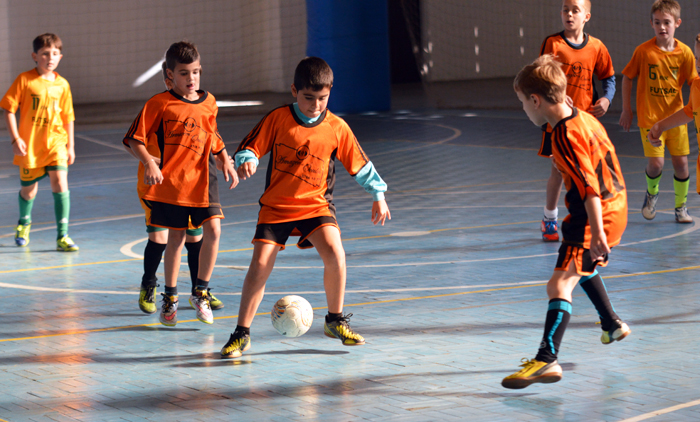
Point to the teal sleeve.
(245, 156)
(370, 180)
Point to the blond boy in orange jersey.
(597, 203)
(181, 188)
(158, 238)
(582, 57)
(683, 116)
(303, 140)
(43, 143)
(661, 66)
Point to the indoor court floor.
(449, 294)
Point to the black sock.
(151, 260)
(333, 317)
(558, 315)
(242, 330)
(595, 289)
(171, 291)
(201, 285)
(193, 249)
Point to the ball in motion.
(292, 316)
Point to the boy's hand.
(599, 246)
(71, 156)
(380, 211)
(229, 172)
(152, 175)
(19, 147)
(219, 164)
(156, 160)
(626, 120)
(654, 134)
(246, 170)
(600, 108)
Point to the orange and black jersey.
(301, 172)
(580, 64)
(186, 136)
(586, 158)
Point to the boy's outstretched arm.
(626, 117)
(599, 241)
(676, 119)
(380, 212)
(19, 147)
(227, 168)
(152, 175)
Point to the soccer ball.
(292, 316)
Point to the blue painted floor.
(449, 294)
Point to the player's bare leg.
(173, 251)
(210, 248)
(330, 247)
(264, 255)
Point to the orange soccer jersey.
(45, 107)
(186, 136)
(661, 77)
(301, 173)
(586, 158)
(580, 64)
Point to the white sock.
(551, 214)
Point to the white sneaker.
(200, 302)
(168, 310)
(649, 206)
(682, 215)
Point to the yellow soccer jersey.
(44, 108)
(661, 75)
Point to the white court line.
(661, 412)
(120, 147)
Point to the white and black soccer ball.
(292, 316)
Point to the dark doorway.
(404, 37)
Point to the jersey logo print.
(578, 76)
(186, 134)
(300, 163)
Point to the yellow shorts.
(28, 176)
(676, 140)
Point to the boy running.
(303, 140)
(43, 143)
(182, 188)
(661, 66)
(597, 204)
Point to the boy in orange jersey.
(662, 65)
(43, 143)
(303, 139)
(683, 116)
(597, 204)
(181, 189)
(582, 57)
(158, 238)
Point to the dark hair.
(165, 72)
(314, 73)
(181, 52)
(47, 40)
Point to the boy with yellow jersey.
(597, 202)
(661, 66)
(43, 143)
(303, 140)
(683, 116)
(181, 187)
(582, 56)
(158, 238)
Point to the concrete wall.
(246, 46)
(468, 39)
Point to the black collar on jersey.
(563, 121)
(301, 122)
(583, 44)
(183, 99)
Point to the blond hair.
(543, 77)
(666, 6)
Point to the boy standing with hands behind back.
(661, 66)
(43, 143)
(582, 57)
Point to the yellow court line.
(378, 302)
(70, 265)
